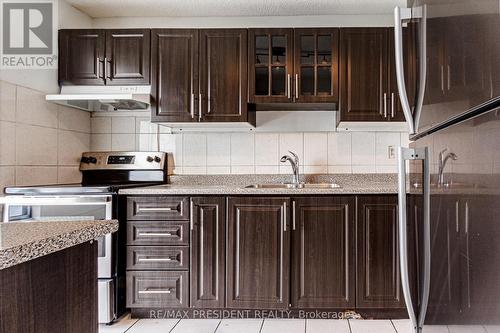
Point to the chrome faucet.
(443, 158)
(294, 161)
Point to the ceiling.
(209, 8)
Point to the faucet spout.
(294, 162)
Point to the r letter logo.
(28, 34)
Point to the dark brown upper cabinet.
(174, 69)
(410, 68)
(293, 65)
(223, 67)
(363, 74)
(368, 86)
(316, 71)
(258, 253)
(199, 75)
(208, 236)
(81, 57)
(104, 57)
(323, 260)
(127, 56)
(270, 63)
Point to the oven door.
(20, 208)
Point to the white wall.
(40, 142)
(45, 80)
(246, 22)
(248, 152)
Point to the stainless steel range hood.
(103, 98)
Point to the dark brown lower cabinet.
(207, 252)
(378, 278)
(258, 252)
(53, 293)
(323, 239)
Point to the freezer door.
(461, 52)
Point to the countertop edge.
(39, 248)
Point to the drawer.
(157, 233)
(157, 208)
(157, 257)
(157, 289)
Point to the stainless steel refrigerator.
(449, 178)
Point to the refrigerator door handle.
(405, 154)
(400, 15)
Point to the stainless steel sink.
(295, 186)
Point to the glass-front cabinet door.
(316, 71)
(270, 65)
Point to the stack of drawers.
(157, 252)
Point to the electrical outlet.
(391, 152)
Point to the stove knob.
(149, 159)
(92, 160)
(84, 160)
(157, 159)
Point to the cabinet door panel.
(270, 64)
(81, 57)
(223, 75)
(258, 253)
(378, 278)
(410, 69)
(323, 270)
(207, 251)
(127, 56)
(316, 65)
(174, 67)
(363, 74)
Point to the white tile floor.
(128, 325)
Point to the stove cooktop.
(76, 189)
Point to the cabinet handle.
(442, 78)
(289, 86)
(156, 209)
(296, 86)
(392, 105)
(154, 259)
(105, 68)
(191, 211)
(293, 215)
(284, 216)
(98, 66)
(385, 105)
(157, 291)
(457, 225)
(192, 106)
(448, 76)
(200, 105)
(155, 234)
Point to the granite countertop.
(24, 241)
(236, 185)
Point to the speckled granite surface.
(24, 241)
(236, 185)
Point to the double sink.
(295, 186)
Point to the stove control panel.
(123, 161)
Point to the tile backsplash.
(248, 152)
(40, 142)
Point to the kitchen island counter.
(25, 241)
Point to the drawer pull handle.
(156, 209)
(157, 291)
(156, 234)
(155, 259)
